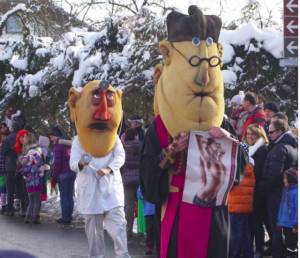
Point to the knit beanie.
(44, 141)
(272, 106)
(56, 131)
(238, 99)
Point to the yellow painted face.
(97, 114)
(190, 97)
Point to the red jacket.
(257, 116)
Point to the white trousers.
(115, 224)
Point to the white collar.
(253, 148)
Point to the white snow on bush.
(85, 67)
(228, 53)
(58, 62)
(34, 79)
(33, 91)
(42, 52)
(272, 39)
(229, 76)
(17, 63)
(146, 55)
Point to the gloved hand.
(85, 159)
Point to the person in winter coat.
(240, 207)
(270, 109)
(32, 171)
(62, 173)
(10, 157)
(130, 174)
(258, 141)
(283, 154)
(47, 158)
(236, 108)
(4, 131)
(255, 114)
(20, 189)
(288, 211)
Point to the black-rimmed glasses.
(194, 61)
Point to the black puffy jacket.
(283, 154)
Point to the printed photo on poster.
(211, 167)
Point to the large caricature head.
(189, 91)
(96, 112)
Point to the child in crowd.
(32, 170)
(151, 225)
(47, 158)
(288, 211)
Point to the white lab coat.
(95, 194)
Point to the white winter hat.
(44, 141)
(238, 99)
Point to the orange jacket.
(240, 199)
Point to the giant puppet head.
(96, 111)
(189, 91)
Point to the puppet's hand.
(218, 132)
(180, 142)
(103, 171)
(85, 159)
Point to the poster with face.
(211, 168)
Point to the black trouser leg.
(10, 188)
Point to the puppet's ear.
(221, 52)
(156, 75)
(165, 49)
(119, 93)
(157, 72)
(73, 97)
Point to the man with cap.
(270, 109)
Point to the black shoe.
(3, 209)
(63, 222)
(268, 251)
(149, 252)
(22, 214)
(36, 222)
(26, 221)
(9, 213)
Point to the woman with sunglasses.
(258, 141)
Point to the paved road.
(50, 240)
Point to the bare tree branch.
(123, 6)
(87, 10)
(135, 5)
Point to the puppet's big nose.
(202, 77)
(102, 112)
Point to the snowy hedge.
(39, 71)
